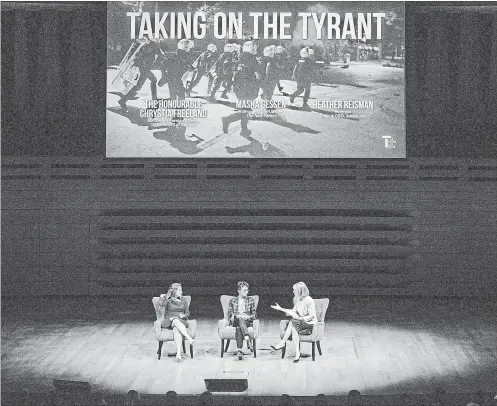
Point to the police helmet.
(249, 47)
(269, 52)
(212, 48)
(183, 45)
(304, 52)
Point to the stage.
(379, 346)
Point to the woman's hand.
(276, 306)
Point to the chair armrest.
(222, 324)
(318, 331)
(192, 325)
(157, 328)
(256, 325)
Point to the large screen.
(255, 80)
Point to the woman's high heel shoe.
(275, 349)
(296, 360)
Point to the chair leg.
(160, 349)
(222, 348)
(283, 351)
(313, 351)
(254, 345)
(227, 345)
(319, 347)
(191, 351)
(184, 348)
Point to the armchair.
(227, 332)
(162, 334)
(317, 331)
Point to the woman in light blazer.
(303, 317)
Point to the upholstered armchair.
(227, 332)
(317, 331)
(163, 334)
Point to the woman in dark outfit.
(176, 316)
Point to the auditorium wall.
(75, 223)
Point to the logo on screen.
(389, 142)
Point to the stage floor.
(376, 345)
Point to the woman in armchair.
(176, 315)
(303, 317)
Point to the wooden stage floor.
(376, 345)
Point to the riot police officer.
(176, 66)
(228, 79)
(271, 72)
(303, 73)
(222, 69)
(202, 65)
(144, 60)
(246, 85)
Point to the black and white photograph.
(237, 203)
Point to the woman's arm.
(289, 312)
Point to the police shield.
(187, 78)
(128, 73)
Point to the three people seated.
(241, 314)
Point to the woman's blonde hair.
(171, 293)
(302, 289)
